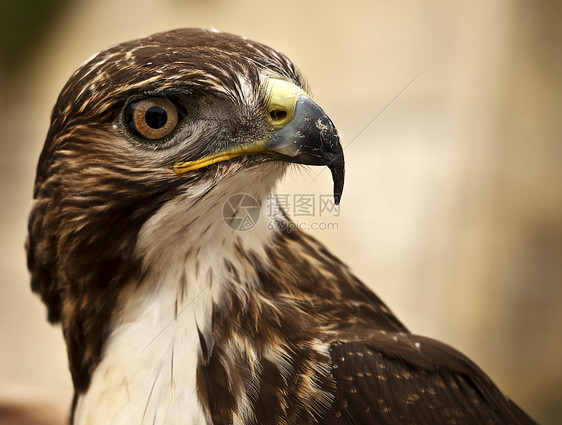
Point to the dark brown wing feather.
(398, 378)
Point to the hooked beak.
(303, 134)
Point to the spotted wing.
(399, 378)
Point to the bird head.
(188, 106)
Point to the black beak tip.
(337, 168)
(337, 198)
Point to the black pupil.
(156, 117)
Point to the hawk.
(169, 315)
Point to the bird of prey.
(170, 316)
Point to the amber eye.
(153, 118)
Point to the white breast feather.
(148, 371)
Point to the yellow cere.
(282, 96)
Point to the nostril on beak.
(278, 117)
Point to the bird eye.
(153, 118)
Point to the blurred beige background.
(451, 114)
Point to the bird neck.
(148, 370)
